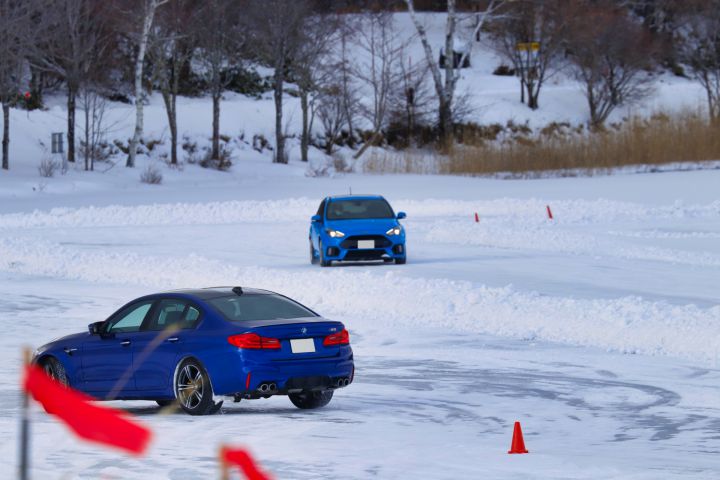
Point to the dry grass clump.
(660, 139)
(406, 161)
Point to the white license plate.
(366, 243)
(302, 345)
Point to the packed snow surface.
(599, 329)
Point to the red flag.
(103, 425)
(241, 458)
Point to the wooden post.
(25, 423)
(224, 468)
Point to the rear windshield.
(356, 209)
(249, 308)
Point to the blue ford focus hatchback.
(190, 346)
(356, 228)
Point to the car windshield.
(249, 308)
(357, 209)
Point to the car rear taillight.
(253, 341)
(340, 338)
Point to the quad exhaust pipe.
(267, 387)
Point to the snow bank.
(628, 324)
(300, 209)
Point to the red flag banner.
(241, 458)
(104, 425)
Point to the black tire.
(165, 403)
(55, 370)
(308, 400)
(193, 389)
(323, 262)
(313, 259)
(401, 261)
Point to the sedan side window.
(174, 312)
(130, 319)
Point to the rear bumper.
(286, 376)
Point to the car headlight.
(334, 233)
(394, 231)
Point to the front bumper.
(349, 248)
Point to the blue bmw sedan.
(190, 346)
(356, 228)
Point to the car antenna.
(350, 188)
(237, 290)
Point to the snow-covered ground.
(598, 330)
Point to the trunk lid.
(300, 339)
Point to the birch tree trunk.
(279, 136)
(6, 136)
(86, 101)
(71, 102)
(445, 90)
(305, 137)
(149, 14)
(216, 96)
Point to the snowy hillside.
(492, 99)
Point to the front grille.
(351, 243)
(364, 255)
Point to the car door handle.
(125, 343)
(172, 339)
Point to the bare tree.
(331, 112)
(75, 36)
(530, 34)
(610, 72)
(411, 104)
(14, 25)
(170, 47)
(379, 68)
(220, 40)
(700, 50)
(348, 85)
(93, 105)
(310, 70)
(147, 16)
(445, 87)
(277, 28)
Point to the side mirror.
(401, 215)
(316, 219)
(95, 328)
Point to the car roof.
(354, 197)
(217, 292)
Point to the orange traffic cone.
(518, 444)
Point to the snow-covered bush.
(151, 175)
(222, 163)
(191, 150)
(48, 167)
